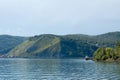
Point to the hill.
(68, 46)
(8, 42)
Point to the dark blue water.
(56, 69)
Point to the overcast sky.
(33, 17)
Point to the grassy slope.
(34, 46)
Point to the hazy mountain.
(9, 42)
(68, 46)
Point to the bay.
(57, 69)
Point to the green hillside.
(51, 46)
(36, 46)
(68, 46)
(108, 40)
(9, 42)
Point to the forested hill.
(8, 42)
(68, 46)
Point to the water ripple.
(55, 69)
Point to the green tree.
(103, 54)
(117, 50)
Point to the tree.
(103, 54)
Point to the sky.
(61, 17)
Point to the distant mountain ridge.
(8, 42)
(68, 46)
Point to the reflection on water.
(56, 69)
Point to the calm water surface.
(57, 69)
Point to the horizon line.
(57, 34)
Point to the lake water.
(57, 69)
